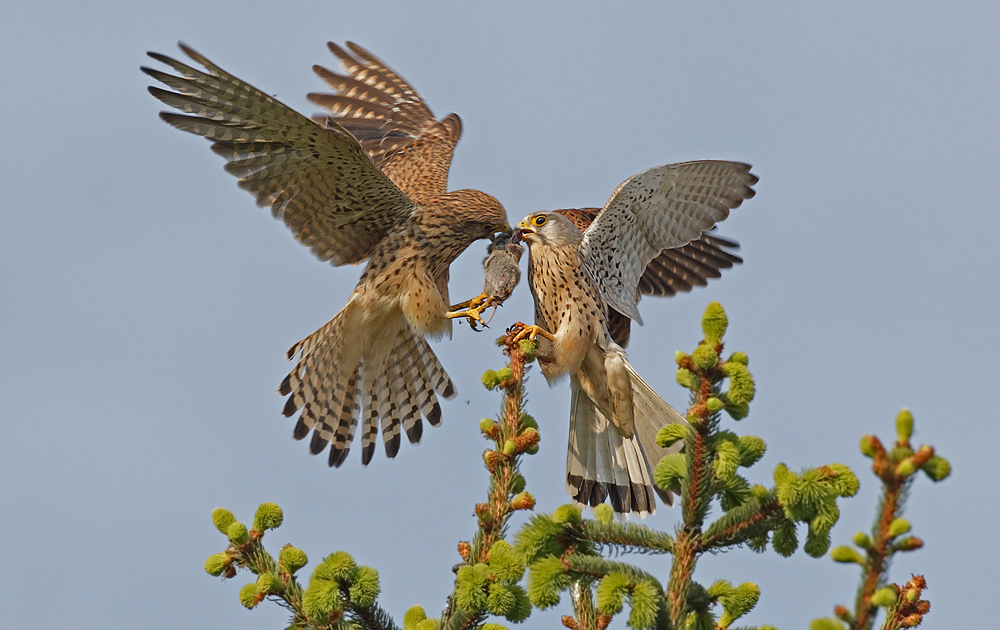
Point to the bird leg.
(523, 331)
(473, 308)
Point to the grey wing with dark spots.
(318, 180)
(661, 208)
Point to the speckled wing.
(673, 271)
(318, 180)
(391, 121)
(661, 208)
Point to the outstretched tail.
(652, 413)
(339, 381)
(604, 464)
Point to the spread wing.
(318, 180)
(674, 271)
(662, 208)
(391, 121)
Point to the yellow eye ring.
(539, 221)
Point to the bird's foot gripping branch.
(563, 553)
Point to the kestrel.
(501, 274)
(378, 195)
(578, 279)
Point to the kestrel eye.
(539, 221)
(487, 229)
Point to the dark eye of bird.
(539, 221)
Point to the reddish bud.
(523, 501)
(464, 549)
(491, 458)
(909, 543)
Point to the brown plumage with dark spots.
(368, 183)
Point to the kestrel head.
(476, 215)
(549, 229)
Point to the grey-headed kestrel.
(378, 195)
(578, 279)
(501, 273)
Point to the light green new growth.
(884, 597)
(671, 433)
(222, 519)
(611, 592)
(752, 448)
(506, 565)
(604, 513)
(727, 454)
(292, 559)
(687, 379)
(268, 583)
(705, 356)
(470, 585)
(714, 323)
(336, 566)
(898, 527)
(737, 601)
(320, 599)
(238, 533)
(268, 516)
(412, 617)
(739, 357)
(546, 579)
(671, 472)
(248, 595)
(217, 563)
(937, 468)
(741, 384)
(365, 587)
(904, 425)
(843, 553)
(490, 380)
(645, 604)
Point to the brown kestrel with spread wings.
(368, 183)
(579, 279)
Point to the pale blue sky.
(147, 302)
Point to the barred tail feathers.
(651, 414)
(340, 380)
(603, 464)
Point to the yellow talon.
(530, 332)
(473, 308)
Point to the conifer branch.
(566, 552)
(896, 469)
(515, 434)
(625, 537)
